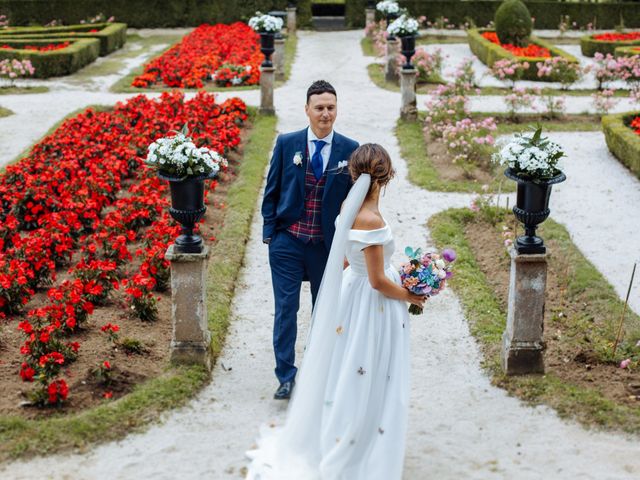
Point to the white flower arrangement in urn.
(263, 23)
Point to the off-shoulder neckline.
(386, 225)
(374, 230)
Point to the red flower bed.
(617, 37)
(234, 50)
(79, 199)
(530, 50)
(635, 125)
(39, 48)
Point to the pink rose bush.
(470, 142)
(559, 69)
(14, 68)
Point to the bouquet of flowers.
(265, 23)
(388, 7)
(403, 26)
(531, 156)
(178, 157)
(426, 273)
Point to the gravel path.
(460, 425)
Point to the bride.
(347, 418)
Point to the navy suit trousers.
(292, 261)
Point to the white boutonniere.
(297, 159)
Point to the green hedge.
(489, 53)
(623, 142)
(146, 13)
(54, 63)
(627, 51)
(546, 13)
(112, 36)
(590, 45)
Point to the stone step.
(329, 23)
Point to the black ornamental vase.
(187, 208)
(408, 48)
(267, 47)
(532, 208)
(390, 18)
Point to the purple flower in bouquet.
(426, 273)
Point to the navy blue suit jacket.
(283, 202)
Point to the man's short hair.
(319, 87)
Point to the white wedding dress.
(347, 418)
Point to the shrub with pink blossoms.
(509, 70)
(377, 32)
(14, 68)
(446, 106)
(520, 99)
(559, 69)
(470, 142)
(604, 101)
(609, 69)
(428, 65)
(555, 106)
(465, 76)
(4, 21)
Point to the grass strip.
(5, 112)
(487, 318)
(23, 90)
(231, 242)
(367, 47)
(133, 412)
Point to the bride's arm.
(374, 257)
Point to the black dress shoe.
(284, 391)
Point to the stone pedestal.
(370, 16)
(408, 108)
(291, 20)
(278, 58)
(522, 344)
(267, 80)
(391, 60)
(191, 340)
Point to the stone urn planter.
(267, 47)
(187, 208)
(531, 209)
(408, 49)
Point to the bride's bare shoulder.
(368, 220)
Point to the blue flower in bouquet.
(426, 273)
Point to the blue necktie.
(316, 159)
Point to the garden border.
(487, 320)
(138, 409)
(123, 85)
(54, 63)
(112, 36)
(489, 53)
(623, 143)
(589, 45)
(627, 51)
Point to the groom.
(306, 186)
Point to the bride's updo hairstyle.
(373, 159)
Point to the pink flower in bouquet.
(426, 274)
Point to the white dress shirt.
(326, 151)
